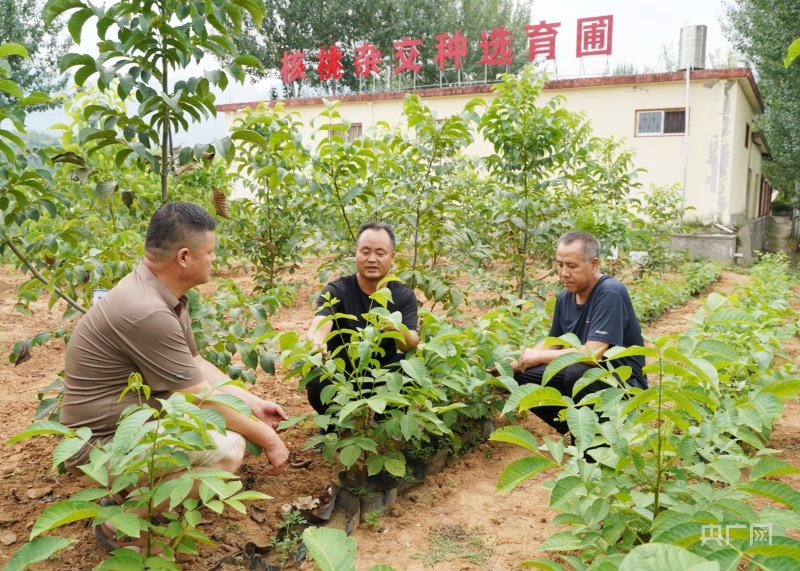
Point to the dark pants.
(315, 385)
(563, 382)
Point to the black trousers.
(563, 381)
(315, 385)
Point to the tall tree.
(21, 22)
(762, 30)
(307, 25)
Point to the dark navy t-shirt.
(607, 317)
(353, 301)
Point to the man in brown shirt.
(143, 325)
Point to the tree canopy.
(21, 22)
(762, 30)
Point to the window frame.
(660, 133)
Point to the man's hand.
(532, 358)
(277, 454)
(269, 413)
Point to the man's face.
(374, 254)
(201, 257)
(576, 274)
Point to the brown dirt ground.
(461, 497)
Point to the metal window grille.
(661, 122)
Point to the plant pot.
(376, 501)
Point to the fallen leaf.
(258, 514)
(306, 503)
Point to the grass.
(453, 540)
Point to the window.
(660, 122)
(747, 136)
(354, 132)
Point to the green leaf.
(128, 431)
(11, 88)
(13, 49)
(267, 362)
(247, 60)
(564, 490)
(54, 8)
(66, 449)
(349, 455)
(792, 52)
(541, 396)
(63, 513)
(665, 557)
(543, 564)
(127, 523)
(250, 136)
(562, 362)
(40, 428)
(582, 424)
(776, 491)
(520, 470)
(771, 466)
(39, 549)
(231, 402)
(515, 434)
(415, 369)
(331, 549)
(76, 22)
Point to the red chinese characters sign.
(542, 40)
(406, 52)
(367, 60)
(594, 37)
(330, 63)
(293, 66)
(450, 47)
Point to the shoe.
(101, 534)
(109, 542)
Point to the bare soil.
(458, 504)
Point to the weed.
(372, 518)
(287, 540)
(453, 539)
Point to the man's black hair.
(377, 226)
(176, 225)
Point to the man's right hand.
(278, 456)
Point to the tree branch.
(74, 304)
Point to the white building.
(722, 165)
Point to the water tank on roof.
(692, 52)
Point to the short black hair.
(377, 226)
(176, 225)
(591, 245)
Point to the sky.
(641, 31)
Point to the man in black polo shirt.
(374, 256)
(598, 310)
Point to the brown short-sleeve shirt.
(139, 326)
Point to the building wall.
(717, 162)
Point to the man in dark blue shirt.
(594, 307)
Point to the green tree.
(761, 30)
(21, 23)
(307, 25)
(142, 47)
